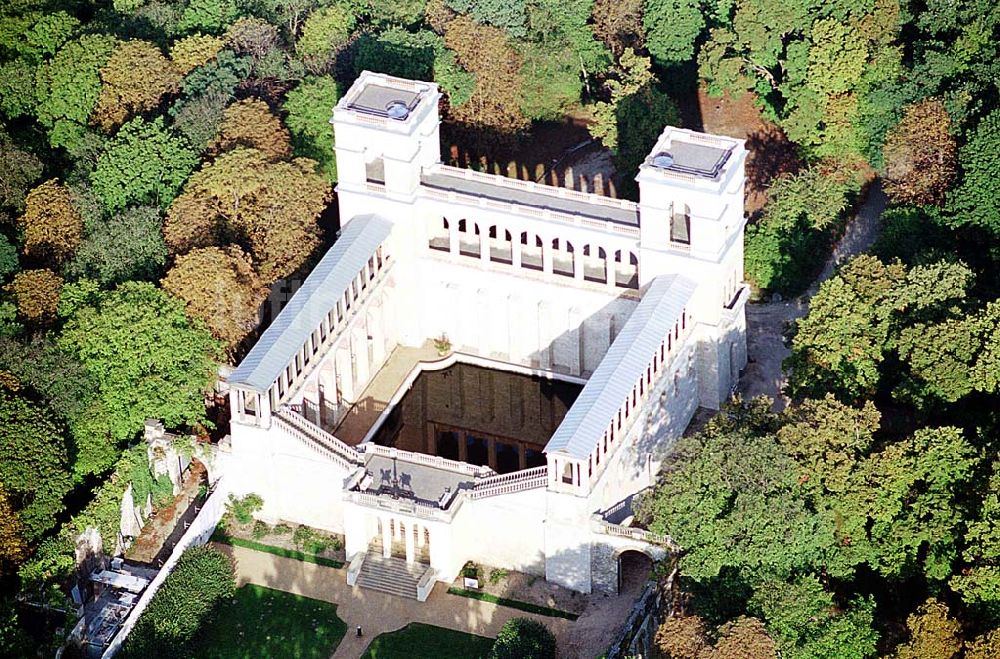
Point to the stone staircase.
(390, 575)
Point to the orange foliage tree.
(51, 223)
(13, 548)
(920, 155)
(220, 287)
(37, 294)
(251, 124)
(135, 79)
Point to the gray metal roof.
(375, 99)
(697, 159)
(553, 202)
(622, 366)
(312, 302)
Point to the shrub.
(497, 575)
(202, 579)
(242, 509)
(312, 541)
(282, 529)
(523, 638)
(260, 529)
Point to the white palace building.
(540, 348)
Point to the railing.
(304, 430)
(426, 584)
(406, 506)
(518, 481)
(429, 460)
(633, 533)
(452, 196)
(538, 188)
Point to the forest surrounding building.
(161, 161)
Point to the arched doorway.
(634, 568)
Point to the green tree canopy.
(309, 107)
(34, 460)
(146, 358)
(146, 163)
(126, 246)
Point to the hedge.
(202, 580)
(513, 604)
(222, 538)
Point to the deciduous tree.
(146, 358)
(671, 28)
(309, 106)
(34, 462)
(250, 123)
(974, 201)
(619, 24)
(933, 633)
(51, 223)
(135, 79)
(13, 548)
(270, 207)
(126, 246)
(146, 163)
(19, 170)
(920, 155)
(323, 33)
(17, 89)
(37, 294)
(191, 52)
(486, 53)
(220, 288)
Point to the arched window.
(531, 251)
(501, 248)
(595, 264)
(439, 237)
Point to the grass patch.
(514, 604)
(419, 641)
(277, 551)
(263, 623)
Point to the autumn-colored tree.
(37, 294)
(51, 223)
(269, 207)
(934, 634)
(252, 36)
(13, 548)
(920, 155)
(618, 23)
(221, 288)
(136, 77)
(986, 646)
(744, 638)
(251, 124)
(681, 637)
(487, 53)
(191, 52)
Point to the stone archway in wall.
(633, 566)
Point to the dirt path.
(379, 613)
(766, 321)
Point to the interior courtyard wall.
(521, 320)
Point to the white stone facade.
(525, 275)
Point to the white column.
(386, 538)
(411, 555)
(515, 250)
(578, 264)
(547, 257)
(453, 238)
(484, 247)
(421, 540)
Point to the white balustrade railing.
(289, 420)
(547, 214)
(538, 188)
(519, 481)
(407, 506)
(429, 460)
(633, 533)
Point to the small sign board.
(471, 582)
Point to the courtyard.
(446, 625)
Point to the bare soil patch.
(771, 153)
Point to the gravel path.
(766, 321)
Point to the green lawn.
(264, 623)
(419, 641)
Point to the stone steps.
(390, 575)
